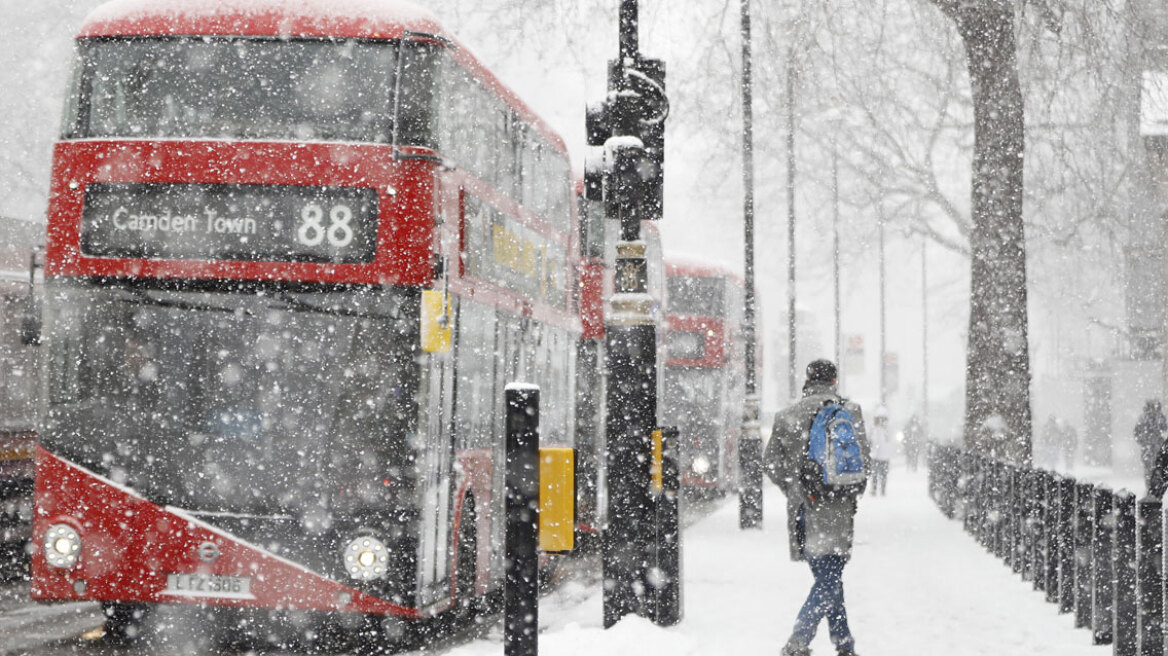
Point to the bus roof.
(345, 19)
(684, 265)
(369, 19)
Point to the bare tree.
(997, 391)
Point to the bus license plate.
(209, 585)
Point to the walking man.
(823, 519)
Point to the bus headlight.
(62, 546)
(701, 465)
(366, 558)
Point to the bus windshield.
(267, 403)
(234, 88)
(696, 295)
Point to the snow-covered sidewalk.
(916, 585)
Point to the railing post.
(973, 495)
(1084, 541)
(1005, 498)
(964, 485)
(984, 484)
(1124, 575)
(998, 514)
(521, 564)
(1066, 539)
(950, 466)
(1103, 519)
(970, 484)
(1031, 503)
(1151, 577)
(1017, 519)
(1051, 534)
(988, 502)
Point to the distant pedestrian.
(1158, 478)
(1069, 444)
(1149, 434)
(1049, 443)
(883, 449)
(914, 438)
(821, 523)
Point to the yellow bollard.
(557, 499)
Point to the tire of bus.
(464, 581)
(124, 623)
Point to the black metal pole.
(1066, 539)
(1029, 529)
(1084, 538)
(1103, 597)
(792, 390)
(521, 564)
(665, 579)
(1050, 526)
(883, 314)
(835, 260)
(629, 38)
(750, 511)
(1151, 577)
(1017, 519)
(631, 348)
(1005, 511)
(632, 413)
(925, 335)
(1124, 568)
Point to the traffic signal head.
(627, 175)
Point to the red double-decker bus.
(705, 371)
(294, 253)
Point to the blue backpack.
(837, 463)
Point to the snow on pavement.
(916, 584)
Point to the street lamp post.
(835, 248)
(750, 446)
(791, 326)
(883, 315)
(925, 334)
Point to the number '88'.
(312, 230)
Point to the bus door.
(437, 456)
(435, 465)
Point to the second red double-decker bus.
(705, 371)
(295, 251)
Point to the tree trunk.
(997, 370)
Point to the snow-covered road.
(916, 585)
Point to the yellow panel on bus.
(435, 321)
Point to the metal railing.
(1091, 551)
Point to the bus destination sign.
(256, 223)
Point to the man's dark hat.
(821, 371)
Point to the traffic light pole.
(629, 124)
(632, 416)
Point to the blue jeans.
(826, 599)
